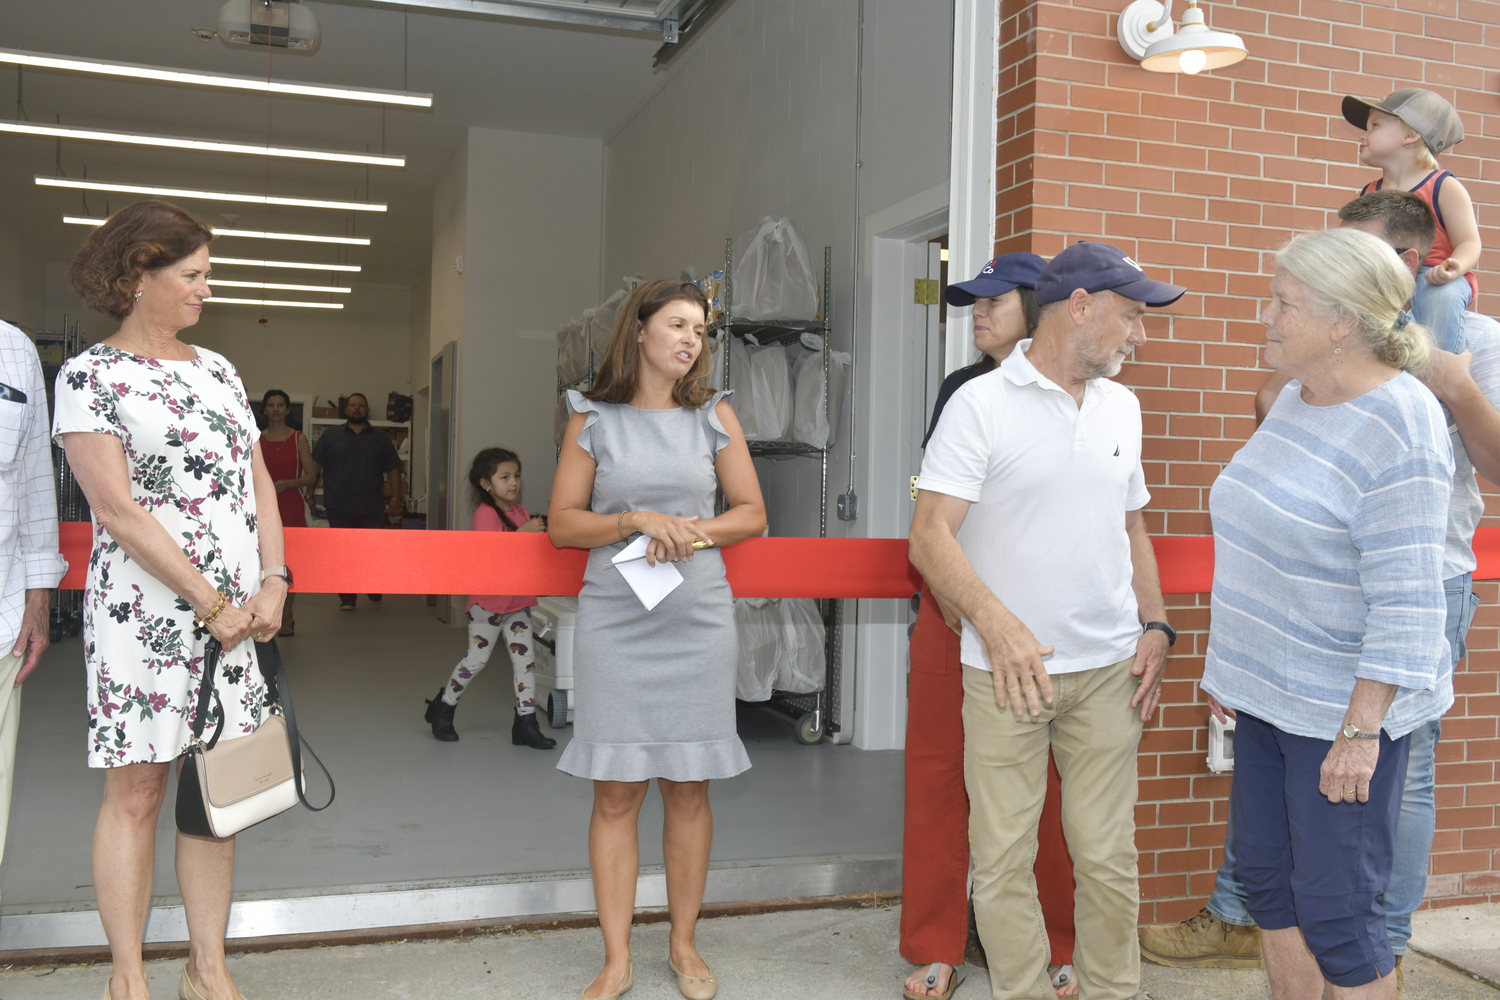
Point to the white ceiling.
(480, 72)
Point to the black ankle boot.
(524, 732)
(440, 715)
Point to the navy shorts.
(1310, 863)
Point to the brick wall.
(1198, 178)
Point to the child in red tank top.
(1403, 134)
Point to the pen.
(696, 545)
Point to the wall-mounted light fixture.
(1145, 31)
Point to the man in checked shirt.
(30, 564)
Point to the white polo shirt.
(1050, 483)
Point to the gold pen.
(700, 544)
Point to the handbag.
(223, 789)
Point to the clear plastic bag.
(800, 659)
(773, 276)
(602, 322)
(758, 621)
(739, 382)
(811, 424)
(572, 352)
(770, 394)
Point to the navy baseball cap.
(1099, 267)
(1001, 275)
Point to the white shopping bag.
(770, 393)
(773, 276)
(739, 382)
(572, 352)
(811, 424)
(800, 658)
(758, 621)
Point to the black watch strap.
(1162, 627)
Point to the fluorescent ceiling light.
(254, 234)
(161, 74)
(240, 196)
(208, 145)
(276, 302)
(272, 286)
(300, 265)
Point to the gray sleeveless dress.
(655, 688)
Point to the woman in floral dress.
(162, 440)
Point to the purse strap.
(274, 671)
(206, 690)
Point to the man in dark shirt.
(355, 459)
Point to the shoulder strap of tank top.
(1437, 189)
(1372, 186)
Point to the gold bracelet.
(218, 609)
(620, 525)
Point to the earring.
(1338, 350)
(138, 295)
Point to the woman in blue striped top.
(1328, 609)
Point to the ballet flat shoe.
(186, 990)
(624, 987)
(105, 995)
(695, 987)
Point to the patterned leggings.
(485, 629)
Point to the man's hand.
(1447, 373)
(1219, 711)
(1441, 274)
(34, 638)
(1349, 766)
(1150, 666)
(1016, 660)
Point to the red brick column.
(1198, 178)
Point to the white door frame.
(976, 87)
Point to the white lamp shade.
(1219, 48)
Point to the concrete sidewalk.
(839, 954)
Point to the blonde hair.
(1353, 275)
(1421, 150)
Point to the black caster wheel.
(557, 709)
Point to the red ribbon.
(344, 560)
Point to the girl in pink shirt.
(495, 478)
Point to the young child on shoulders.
(495, 479)
(1403, 136)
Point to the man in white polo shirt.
(1029, 525)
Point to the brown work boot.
(1202, 942)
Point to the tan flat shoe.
(186, 990)
(624, 987)
(694, 987)
(105, 995)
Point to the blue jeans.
(1418, 821)
(1440, 308)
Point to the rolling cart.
(53, 348)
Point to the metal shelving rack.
(53, 348)
(815, 715)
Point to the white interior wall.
(22, 281)
(523, 210)
(758, 118)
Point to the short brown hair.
(145, 236)
(1405, 217)
(620, 368)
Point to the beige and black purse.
(225, 788)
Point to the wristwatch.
(1171, 632)
(1351, 733)
(285, 572)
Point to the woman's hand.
(231, 627)
(537, 523)
(671, 537)
(1349, 766)
(1219, 711)
(266, 607)
(282, 485)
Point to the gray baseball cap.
(1429, 116)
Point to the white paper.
(650, 583)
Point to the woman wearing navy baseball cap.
(935, 863)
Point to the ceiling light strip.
(162, 74)
(204, 145)
(78, 184)
(275, 287)
(275, 302)
(254, 234)
(300, 265)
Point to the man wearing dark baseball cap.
(1054, 578)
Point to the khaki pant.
(1094, 734)
(10, 718)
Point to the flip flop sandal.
(1064, 976)
(934, 973)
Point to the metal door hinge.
(914, 488)
(928, 292)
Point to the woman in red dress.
(290, 463)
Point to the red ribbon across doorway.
(334, 560)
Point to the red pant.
(935, 846)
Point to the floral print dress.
(189, 436)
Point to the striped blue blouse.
(1328, 559)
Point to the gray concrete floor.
(410, 808)
(846, 954)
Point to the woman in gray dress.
(644, 452)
